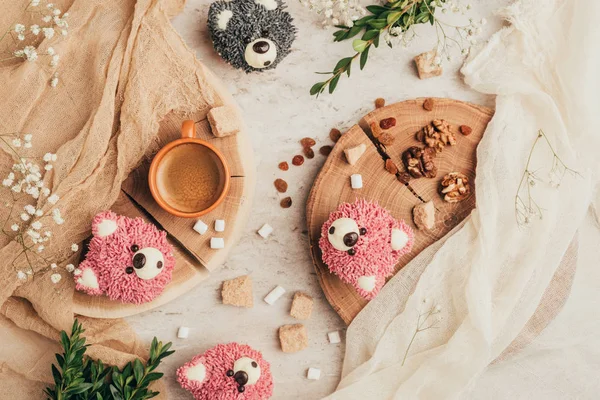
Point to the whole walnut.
(455, 187)
(419, 162)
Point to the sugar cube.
(301, 306)
(200, 227)
(238, 292)
(313, 374)
(265, 231)
(220, 225)
(354, 153)
(274, 295)
(183, 332)
(334, 337)
(217, 243)
(293, 338)
(356, 181)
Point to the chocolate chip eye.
(363, 231)
(351, 252)
(254, 364)
(135, 248)
(230, 372)
(159, 264)
(247, 40)
(332, 230)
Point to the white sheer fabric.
(518, 305)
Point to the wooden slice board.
(195, 259)
(332, 185)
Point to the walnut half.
(455, 187)
(419, 162)
(436, 135)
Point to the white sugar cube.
(220, 225)
(265, 231)
(183, 332)
(313, 374)
(356, 181)
(217, 243)
(334, 337)
(200, 227)
(274, 295)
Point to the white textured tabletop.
(279, 112)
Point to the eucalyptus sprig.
(80, 378)
(395, 19)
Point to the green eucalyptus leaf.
(342, 64)
(333, 83)
(154, 376)
(378, 23)
(317, 88)
(363, 21)
(393, 17)
(370, 34)
(359, 45)
(138, 370)
(363, 58)
(355, 30)
(376, 9)
(376, 41)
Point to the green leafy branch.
(80, 378)
(395, 17)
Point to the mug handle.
(188, 129)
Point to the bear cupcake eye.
(135, 248)
(343, 234)
(147, 262)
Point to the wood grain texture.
(332, 185)
(195, 258)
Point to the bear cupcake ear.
(191, 376)
(270, 5)
(104, 224)
(219, 14)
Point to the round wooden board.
(195, 259)
(332, 185)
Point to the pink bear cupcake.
(227, 372)
(361, 243)
(128, 259)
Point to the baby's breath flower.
(35, 29)
(57, 217)
(21, 276)
(77, 272)
(48, 32)
(56, 12)
(25, 217)
(47, 18)
(70, 267)
(48, 167)
(50, 51)
(19, 28)
(21, 37)
(29, 209)
(7, 182)
(74, 247)
(40, 248)
(53, 266)
(53, 199)
(37, 225)
(34, 3)
(54, 61)
(39, 213)
(47, 157)
(50, 6)
(16, 142)
(14, 227)
(55, 278)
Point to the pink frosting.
(109, 256)
(374, 255)
(216, 384)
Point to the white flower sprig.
(26, 222)
(29, 39)
(336, 12)
(427, 320)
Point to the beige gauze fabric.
(124, 75)
(517, 316)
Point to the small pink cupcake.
(361, 243)
(230, 371)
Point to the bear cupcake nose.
(261, 47)
(350, 239)
(139, 260)
(241, 377)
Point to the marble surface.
(279, 112)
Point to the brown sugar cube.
(238, 292)
(301, 306)
(426, 66)
(293, 338)
(224, 121)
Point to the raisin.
(325, 150)
(281, 185)
(286, 203)
(298, 160)
(335, 135)
(428, 104)
(391, 167)
(308, 142)
(386, 139)
(309, 153)
(387, 123)
(284, 166)
(379, 102)
(465, 130)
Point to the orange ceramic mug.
(189, 177)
